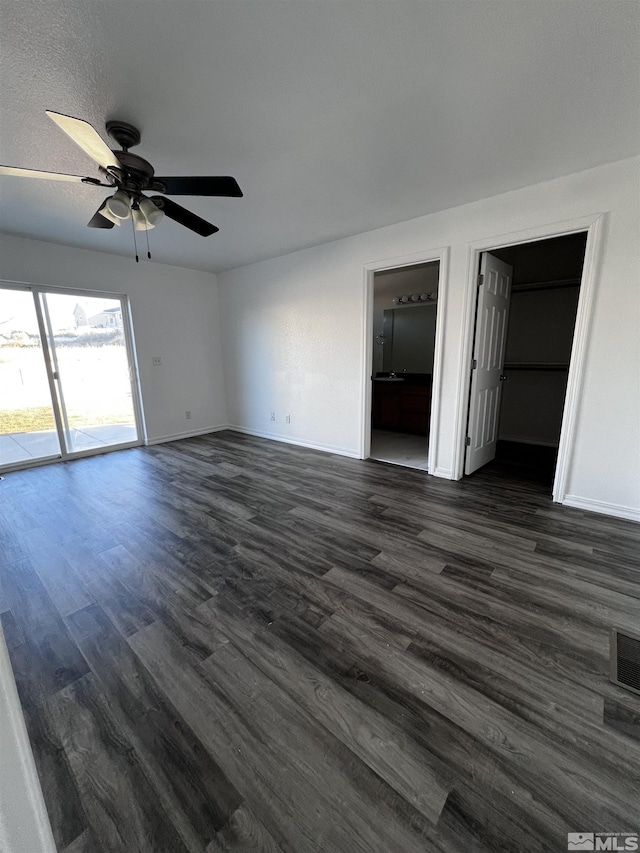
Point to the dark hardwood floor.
(230, 644)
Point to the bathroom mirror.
(409, 338)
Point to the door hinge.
(480, 280)
(474, 363)
(468, 441)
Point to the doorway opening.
(405, 304)
(67, 374)
(523, 338)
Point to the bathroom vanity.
(401, 403)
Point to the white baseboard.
(325, 448)
(617, 510)
(188, 434)
(24, 824)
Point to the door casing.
(440, 255)
(593, 225)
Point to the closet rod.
(546, 285)
(535, 365)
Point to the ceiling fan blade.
(84, 135)
(99, 221)
(222, 185)
(184, 217)
(48, 176)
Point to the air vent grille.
(625, 660)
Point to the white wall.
(24, 824)
(175, 316)
(293, 329)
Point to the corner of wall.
(24, 824)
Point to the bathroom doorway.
(405, 306)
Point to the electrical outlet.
(273, 416)
(288, 419)
(157, 360)
(187, 415)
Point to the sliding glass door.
(27, 422)
(67, 382)
(89, 355)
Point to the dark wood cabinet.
(402, 406)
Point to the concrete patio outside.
(25, 446)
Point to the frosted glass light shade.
(140, 222)
(119, 205)
(151, 213)
(104, 211)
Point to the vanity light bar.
(415, 297)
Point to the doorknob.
(503, 377)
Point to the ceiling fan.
(131, 176)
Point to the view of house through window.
(65, 375)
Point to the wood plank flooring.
(230, 644)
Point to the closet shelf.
(535, 365)
(545, 285)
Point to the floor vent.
(625, 660)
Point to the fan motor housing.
(137, 169)
(125, 134)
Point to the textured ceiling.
(335, 117)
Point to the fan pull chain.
(146, 231)
(135, 245)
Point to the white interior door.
(488, 353)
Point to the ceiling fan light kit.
(119, 205)
(152, 214)
(102, 218)
(139, 221)
(131, 176)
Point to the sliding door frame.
(55, 385)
